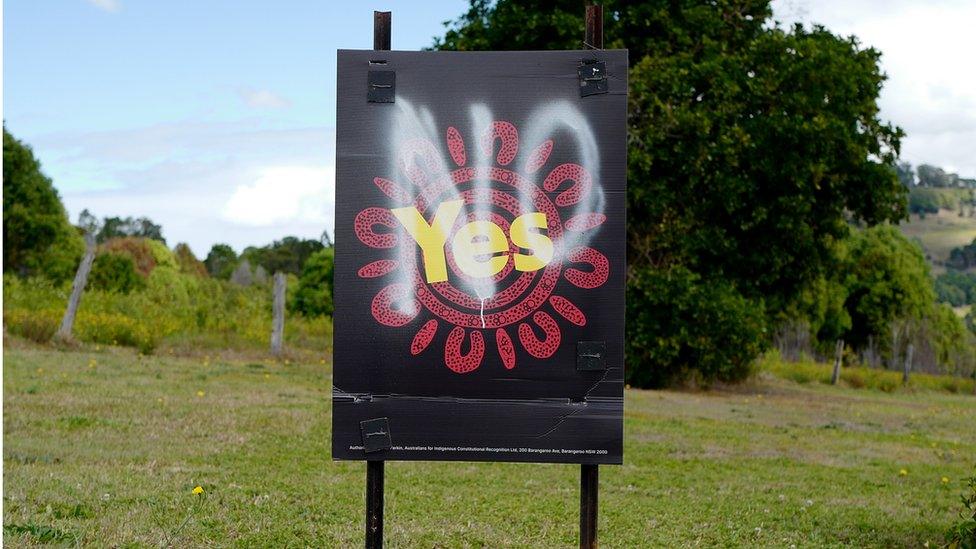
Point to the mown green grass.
(104, 448)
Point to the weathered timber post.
(278, 312)
(838, 356)
(77, 287)
(908, 363)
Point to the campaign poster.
(480, 256)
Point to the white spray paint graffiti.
(414, 129)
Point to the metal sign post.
(590, 473)
(375, 468)
(480, 208)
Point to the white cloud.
(106, 5)
(205, 181)
(927, 52)
(283, 194)
(263, 99)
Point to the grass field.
(940, 233)
(105, 448)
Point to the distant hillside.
(939, 233)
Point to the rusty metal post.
(589, 503)
(374, 504)
(375, 470)
(381, 30)
(594, 27)
(590, 473)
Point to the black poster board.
(480, 256)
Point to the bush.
(115, 329)
(189, 264)
(808, 371)
(678, 324)
(136, 248)
(114, 272)
(36, 325)
(313, 297)
(963, 534)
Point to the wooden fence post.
(77, 287)
(278, 311)
(908, 363)
(838, 357)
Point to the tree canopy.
(751, 149)
(37, 236)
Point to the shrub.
(189, 264)
(135, 248)
(173, 309)
(115, 329)
(114, 272)
(678, 323)
(313, 297)
(35, 325)
(854, 379)
(963, 534)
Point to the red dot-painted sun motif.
(523, 307)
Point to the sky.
(216, 119)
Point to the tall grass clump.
(806, 370)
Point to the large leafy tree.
(887, 280)
(221, 261)
(120, 227)
(38, 239)
(751, 148)
(286, 255)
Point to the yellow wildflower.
(200, 393)
(198, 490)
(903, 472)
(945, 480)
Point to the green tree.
(906, 174)
(956, 288)
(962, 257)
(313, 297)
(221, 261)
(750, 148)
(38, 239)
(887, 279)
(118, 227)
(286, 255)
(922, 201)
(933, 176)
